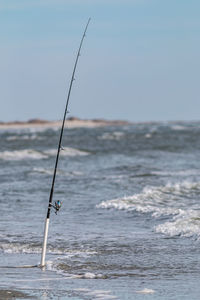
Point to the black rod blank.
(63, 122)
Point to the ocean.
(129, 225)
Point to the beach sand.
(70, 123)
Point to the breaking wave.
(186, 223)
(116, 135)
(162, 200)
(33, 154)
(23, 137)
(67, 151)
(28, 248)
(169, 200)
(22, 154)
(179, 127)
(88, 275)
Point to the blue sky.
(139, 62)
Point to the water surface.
(129, 226)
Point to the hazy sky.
(140, 59)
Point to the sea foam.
(67, 151)
(22, 154)
(33, 154)
(146, 291)
(15, 247)
(116, 135)
(156, 200)
(23, 137)
(185, 224)
(169, 200)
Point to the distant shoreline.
(72, 122)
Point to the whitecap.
(148, 136)
(88, 275)
(33, 154)
(44, 171)
(151, 200)
(101, 294)
(131, 204)
(12, 138)
(161, 200)
(67, 151)
(168, 201)
(185, 224)
(116, 135)
(23, 137)
(22, 154)
(146, 291)
(178, 127)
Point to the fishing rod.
(58, 203)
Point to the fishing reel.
(57, 206)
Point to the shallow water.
(129, 227)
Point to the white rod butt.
(44, 246)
